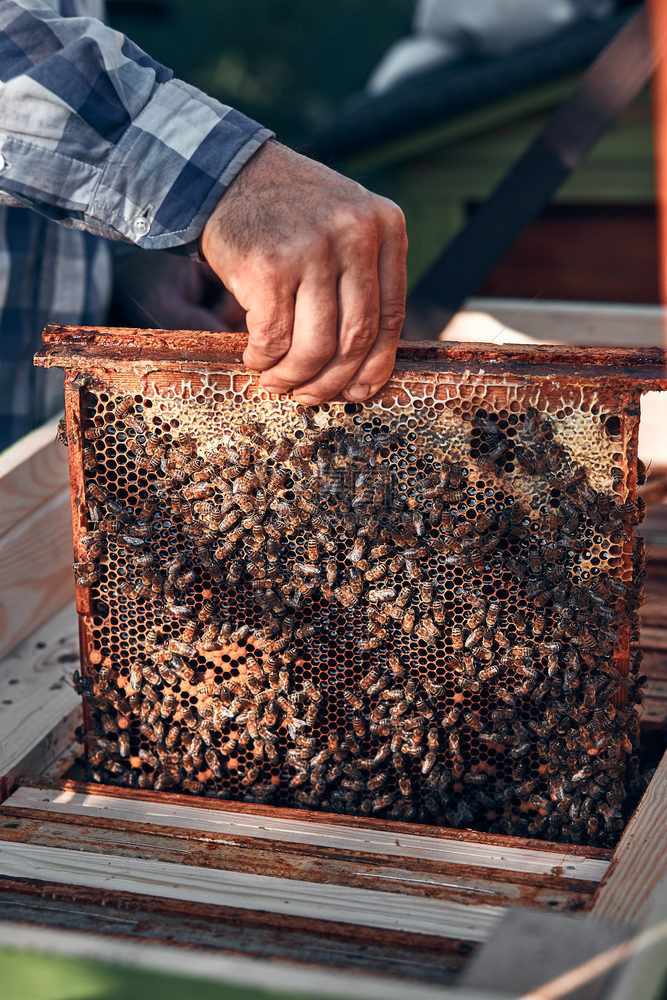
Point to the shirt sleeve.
(98, 136)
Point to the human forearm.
(97, 135)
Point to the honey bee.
(382, 802)
(167, 779)
(408, 622)
(353, 699)
(473, 720)
(186, 579)
(190, 631)
(127, 590)
(97, 493)
(359, 726)
(114, 767)
(209, 637)
(395, 665)
(128, 541)
(213, 762)
(428, 762)
(123, 406)
(136, 676)
(94, 432)
(451, 717)
(427, 630)
(152, 716)
(168, 704)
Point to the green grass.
(26, 975)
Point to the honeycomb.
(419, 608)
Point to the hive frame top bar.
(81, 348)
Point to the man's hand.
(318, 263)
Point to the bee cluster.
(361, 616)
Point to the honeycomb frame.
(423, 607)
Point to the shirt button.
(141, 226)
(3, 162)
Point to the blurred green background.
(287, 63)
(26, 975)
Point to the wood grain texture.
(528, 953)
(638, 874)
(31, 472)
(52, 755)
(264, 826)
(653, 709)
(39, 709)
(456, 883)
(35, 570)
(425, 958)
(556, 322)
(89, 351)
(240, 890)
(290, 978)
(645, 972)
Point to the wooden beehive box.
(301, 892)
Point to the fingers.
(269, 318)
(372, 308)
(314, 336)
(378, 363)
(283, 220)
(359, 306)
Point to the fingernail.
(357, 392)
(306, 400)
(272, 388)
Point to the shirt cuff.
(172, 165)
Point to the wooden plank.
(264, 826)
(35, 570)
(549, 321)
(456, 883)
(39, 709)
(639, 869)
(31, 472)
(654, 639)
(654, 613)
(529, 944)
(654, 665)
(645, 973)
(286, 977)
(52, 755)
(653, 710)
(528, 951)
(654, 525)
(424, 958)
(654, 491)
(240, 890)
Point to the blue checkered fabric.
(96, 140)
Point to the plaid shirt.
(97, 137)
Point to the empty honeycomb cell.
(416, 608)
